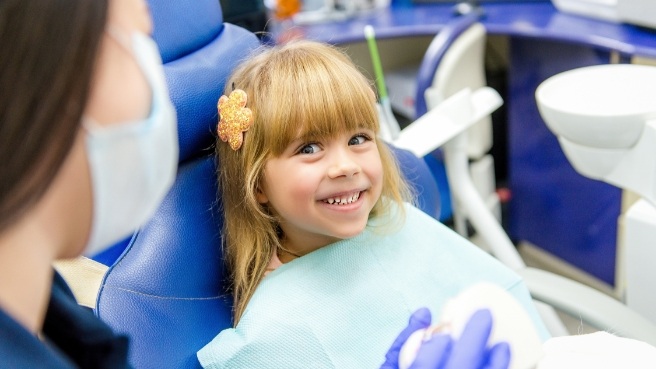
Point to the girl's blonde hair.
(302, 87)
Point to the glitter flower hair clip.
(234, 118)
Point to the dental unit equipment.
(443, 126)
(605, 120)
(639, 12)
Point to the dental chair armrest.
(593, 307)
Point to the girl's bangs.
(330, 100)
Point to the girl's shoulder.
(423, 239)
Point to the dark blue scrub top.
(72, 337)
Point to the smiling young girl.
(327, 258)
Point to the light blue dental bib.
(343, 305)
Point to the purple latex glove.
(420, 319)
(442, 352)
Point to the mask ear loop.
(90, 125)
(120, 37)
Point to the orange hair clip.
(234, 118)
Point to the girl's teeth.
(343, 200)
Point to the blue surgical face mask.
(132, 164)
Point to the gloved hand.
(420, 319)
(442, 352)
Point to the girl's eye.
(359, 139)
(309, 149)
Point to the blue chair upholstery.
(167, 289)
(419, 176)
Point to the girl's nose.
(343, 165)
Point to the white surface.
(599, 350)
(633, 169)
(482, 174)
(450, 118)
(589, 161)
(599, 9)
(605, 120)
(83, 276)
(640, 12)
(602, 106)
(640, 258)
(317, 11)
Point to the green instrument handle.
(375, 58)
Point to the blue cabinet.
(552, 206)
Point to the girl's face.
(322, 190)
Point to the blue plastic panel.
(552, 206)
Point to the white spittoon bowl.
(604, 106)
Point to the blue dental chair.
(167, 290)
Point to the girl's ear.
(260, 196)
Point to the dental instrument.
(390, 126)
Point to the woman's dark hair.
(49, 49)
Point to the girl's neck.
(286, 255)
(295, 245)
